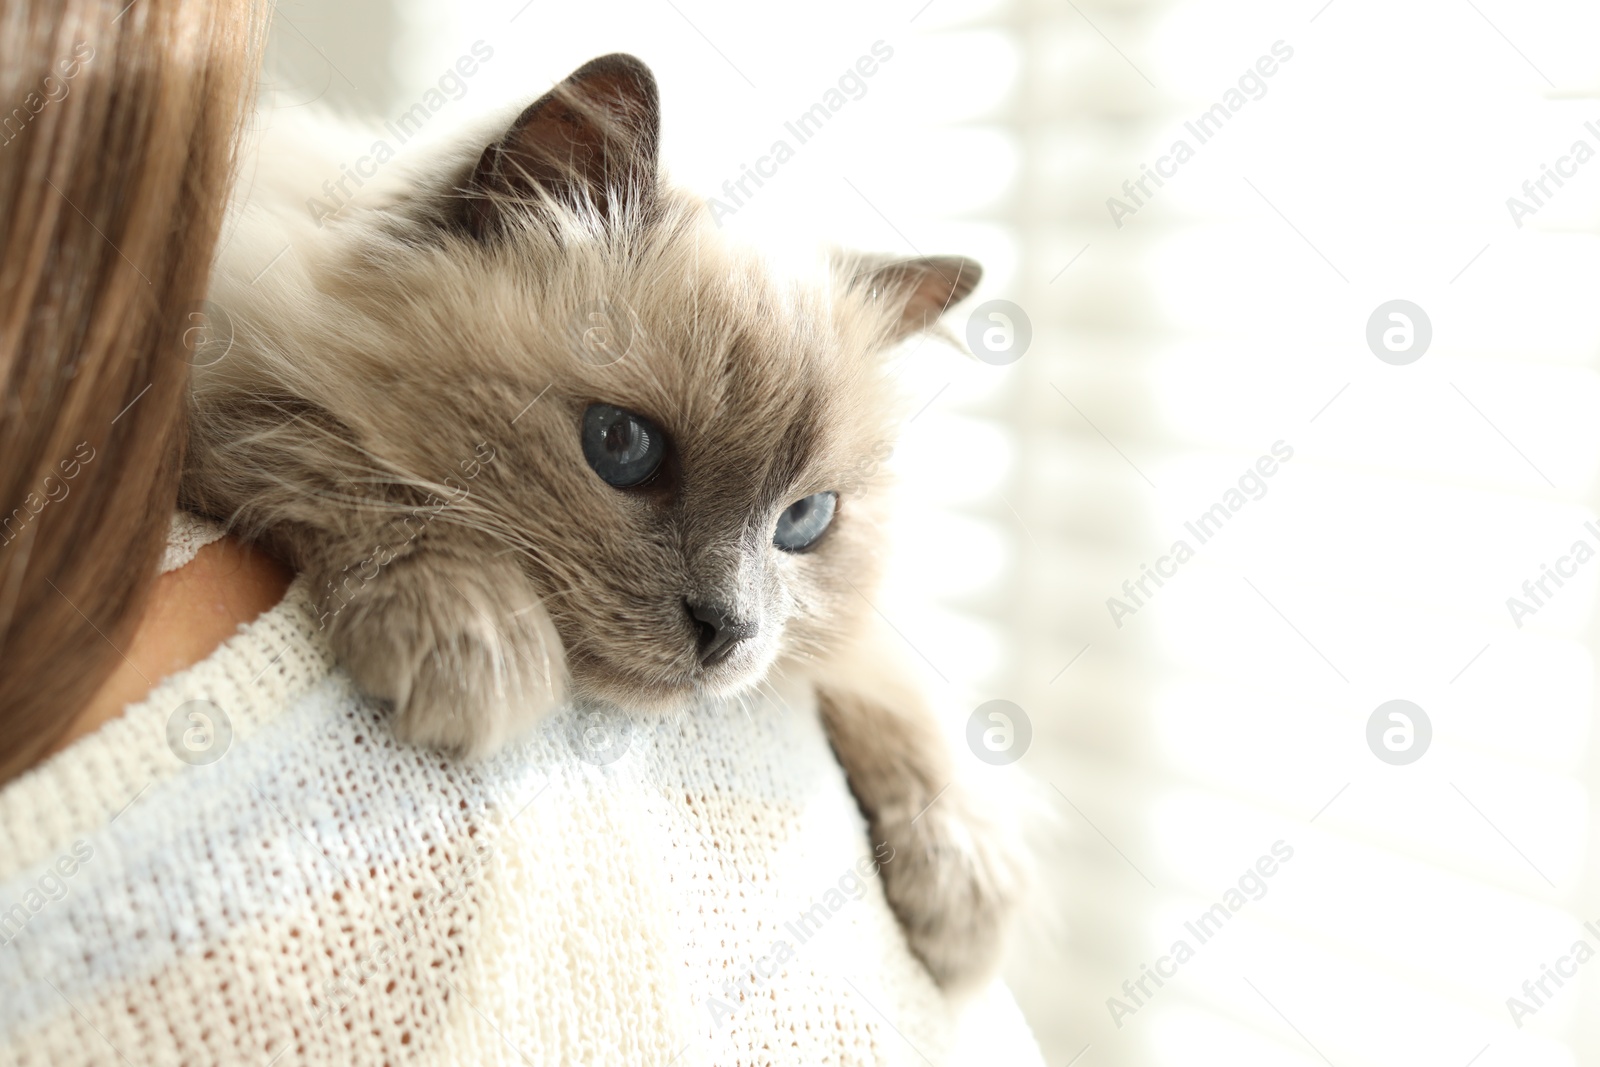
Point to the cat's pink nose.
(718, 631)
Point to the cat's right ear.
(588, 146)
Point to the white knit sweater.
(246, 868)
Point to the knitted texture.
(246, 868)
(188, 535)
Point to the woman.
(211, 849)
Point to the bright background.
(1227, 314)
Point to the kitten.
(532, 429)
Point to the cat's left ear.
(914, 292)
(591, 144)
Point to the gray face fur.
(444, 347)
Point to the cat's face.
(708, 502)
(713, 495)
(686, 450)
(686, 454)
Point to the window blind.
(1316, 162)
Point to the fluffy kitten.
(532, 429)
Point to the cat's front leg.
(958, 871)
(457, 641)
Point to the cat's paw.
(461, 648)
(955, 880)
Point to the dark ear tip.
(589, 141)
(962, 273)
(619, 65)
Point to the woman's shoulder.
(208, 587)
(188, 719)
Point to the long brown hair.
(118, 124)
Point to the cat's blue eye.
(623, 448)
(804, 521)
